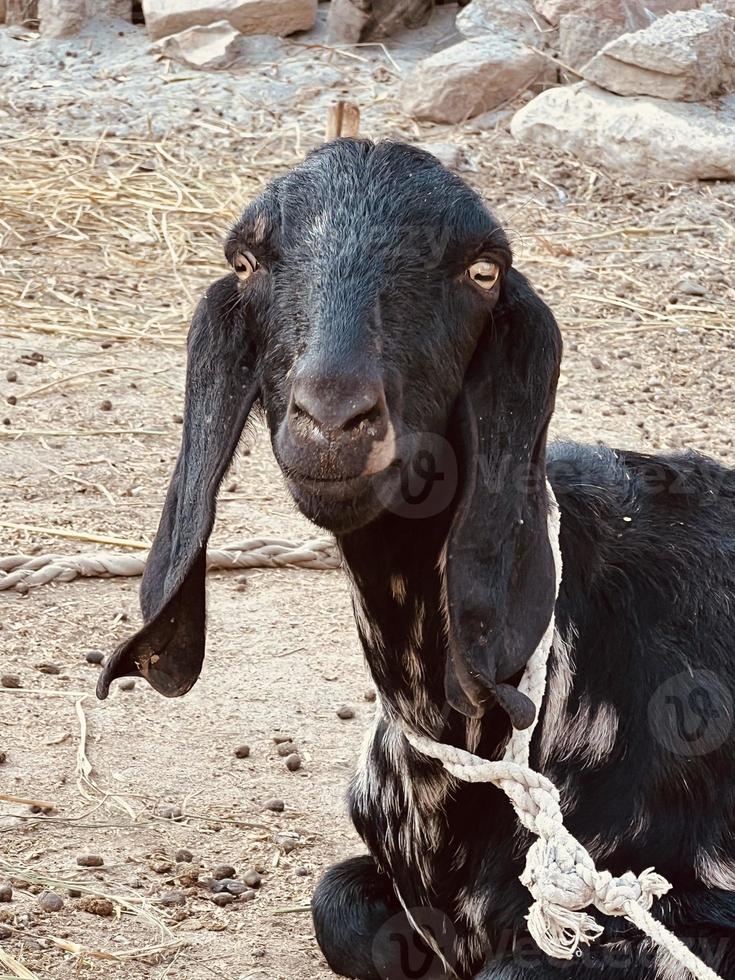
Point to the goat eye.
(245, 265)
(484, 273)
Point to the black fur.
(363, 287)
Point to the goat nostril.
(336, 407)
(371, 415)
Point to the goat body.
(407, 374)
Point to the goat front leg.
(363, 931)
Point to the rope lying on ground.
(24, 572)
(559, 872)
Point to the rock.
(252, 879)
(3, 760)
(236, 887)
(345, 712)
(121, 9)
(97, 906)
(50, 902)
(209, 47)
(223, 871)
(94, 657)
(637, 136)
(285, 749)
(170, 811)
(6, 892)
(11, 681)
(277, 806)
(580, 38)
(242, 752)
(184, 856)
(632, 15)
(471, 77)
(684, 56)
(280, 739)
(61, 18)
(517, 19)
(48, 668)
(223, 898)
(90, 861)
(126, 684)
(21, 13)
(11, 376)
(690, 287)
(293, 762)
(371, 695)
(173, 898)
(351, 21)
(164, 17)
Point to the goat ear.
(220, 390)
(500, 575)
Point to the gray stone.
(207, 47)
(687, 56)
(632, 15)
(164, 17)
(580, 38)
(515, 18)
(472, 77)
(351, 21)
(21, 13)
(637, 136)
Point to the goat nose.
(337, 405)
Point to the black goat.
(407, 374)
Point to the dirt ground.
(105, 242)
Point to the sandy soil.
(640, 276)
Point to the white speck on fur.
(716, 870)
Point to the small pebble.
(37, 356)
(301, 872)
(252, 879)
(6, 892)
(345, 712)
(218, 886)
(10, 680)
(224, 871)
(235, 887)
(184, 856)
(50, 902)
(224, 898)
(279, 739)
(248, 896)
(259, 953)
(161, 867)
(3, 757)
(178, 419)
(597, 363)
(73, 893)
(370, 695)
(173, 898)
(242, 752)
(97, 906)
(11, 376)
(106, 344)
(94, 657)
(90, 861)
(285, 748)
(11, 400)
(106, 405)
(277, 806)
(170, 812)
(48, 668)
(5, 932)
(293, 762)
(127, 684)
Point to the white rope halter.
(560, 874)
